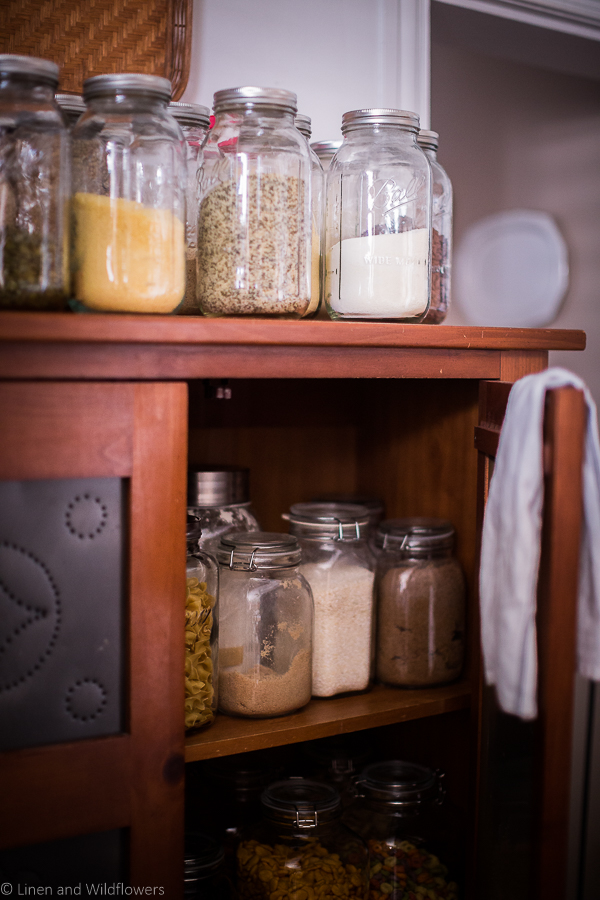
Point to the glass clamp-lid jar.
(254, 219)
(128, 205)
(201, 633)
(420, 603)
(204, 875)
(377, 224)
(34, 187)
(266, 621)
(441, 231)
(300, 843)
(219, 497)
(338, 565)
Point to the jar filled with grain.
(441, 231)
(377, 221)
(420, 603)
(34, 187)
(201, 633)
(194, 121)
(265, 626)
(301, 845)
(128, 205)
(317, 185)
(338, 565)
(219, 497)
(255, 220)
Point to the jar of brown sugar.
(421, 603)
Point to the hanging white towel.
(510, 552)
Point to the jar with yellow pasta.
(201, 633)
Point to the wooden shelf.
(322, 718)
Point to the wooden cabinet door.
(524, 768)
(92, 543)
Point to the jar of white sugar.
(338, 565)
(377, 225)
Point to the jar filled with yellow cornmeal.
(128, 204)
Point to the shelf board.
(322, 718)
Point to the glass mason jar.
(204, 875)
(377, 225)
(72, 107)
(194, 121)
(420, 603)
(265, 626)
(254, 220)
(303, 124)
(201, 633)
(34, 187)
(326, 150)
(441, 231)
(301, 842)
(338, 565)
(128, 206)
(219, 498)
(411, 841)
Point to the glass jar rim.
(249, 97)
(249, 551)
(190, 114)
(300, 802)
(127, 83)
(403, 119)
(416, 533)
(428, 140)
(399, 783)
(32, 66)
(303, 124)
(333, 521)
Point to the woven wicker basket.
(93, 37)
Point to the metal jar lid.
(428, 140)
(300, 802)
(374, 505)
(415, 535)
(399, 783)
(127, 83)
(403, 118)
(304, 125)
(326, 149)
(218, 486)
(250, 97)
(190, 114)
(250, 551)
(71, 103)
(329, 521)
(32, 66)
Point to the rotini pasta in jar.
(201, 633)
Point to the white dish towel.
(510, 552)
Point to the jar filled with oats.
(300, 846)
(254, 218)
(441, 231)
(201, 632)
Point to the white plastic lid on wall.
(511, 269)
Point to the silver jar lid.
(373, 504)
(42, 69)
(249, 551)
(428, 140)
(304, 125)
(328, 521)
(326, 149)
(399, 783)
(403, 118)
(190, 113)
(300, 802)
(127, 83)
(218, 486)
(415, 535)
(72, 104)
(250, 97)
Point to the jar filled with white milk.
(377, 226)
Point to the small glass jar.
(441, 231)
(72, 107)
(326, 150)
(204, 875)
(303, 124)
(128, 205)
(301, 842)
(34, 187)
(420, 603)
(377, 225)
(338, 565)
(265, 626)
(219, 497)
(194, 121)
(201, 633)
(410, 839)
(254, 220)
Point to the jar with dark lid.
(129, 189)
(303, 124)
(72, 106)
(34, 186)
(399, 814)
(204, 874)
(255, 152)
(201, 633)
(338, 565)
(194, 121)
(326, 150)
(441, 231)
(219, 497)
(300, 842)
(420, 603)
(266, 621)
(377, 223)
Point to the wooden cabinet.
(315, 406)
